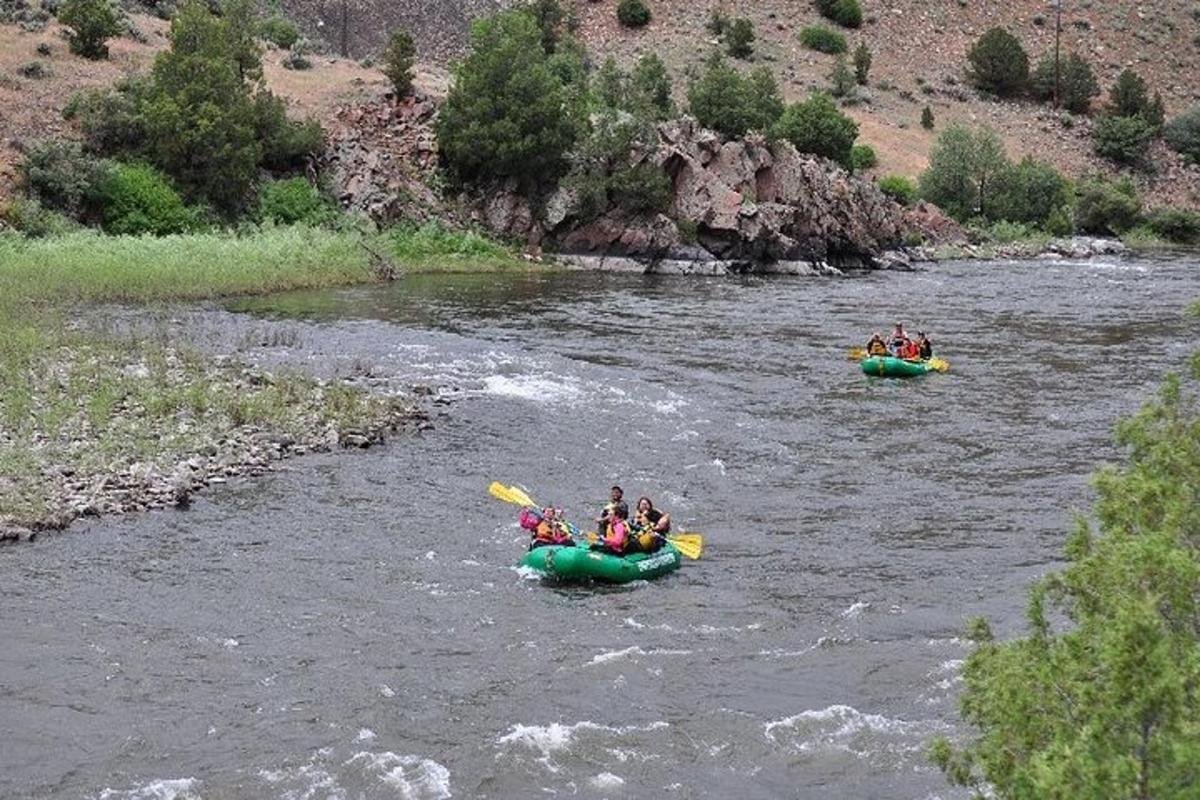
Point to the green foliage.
(841, 79)
(90, 23)
(927, 118)
(817, 126)
(725, 101)
(551, 20)
(136, 199)
(603, 174)
(1183, 134)
(847, 13)
(998, 63)
(1124, 140)
(822, 39)
(650, 89)
(633, 13)
(1176, 225)
(1029, 193)
(718, 22)
(963, 168)
(60, 176)
(1060, 222)
(32, 219)
(285, 143)
(398, 60)
(112, 121)
(862, 63)
(1103, 702)
(292, 201)
(901, 189)
(1076, 82)
(739, 39)
(1106, 208)
(278, 30)
(862, 156)
(1129, 97)
(508, 114)
(609, 86)
(297, 56)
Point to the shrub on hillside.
(1178, 225)
(739, 40)
(650, 89)
(963, 166)
(1106, 208)
(847, 13)
(927, 118)
(32, 219)
(718, 22)
(862, 63)
(60, 176)
(292, 201)
(90, 23)
(398, 60)
(1076, 82)
(841, 80)
(641, 188)
(551, 20)
(817, 126)
(113, 122)
(136, 199)
(633, 13)
(285, 144)
(1028, 193)
(507, 114)
(297, 56)
(899, 188)
(822, 39)
(1183, 134)
(998, 63)
(862, 156)
(278, 30)
(1129, 97)
(1124, 140)
(725, 101)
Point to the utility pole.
(1057, 39)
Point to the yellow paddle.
(857, 353)
(939, 364)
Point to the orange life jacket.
(548, 532)
(876, 347)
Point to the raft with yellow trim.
(889, 367)
(581, 563)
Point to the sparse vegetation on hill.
(998, 63)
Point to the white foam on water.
(613, 655)
(414, 777)
(387, 691)
(606, 780)
(884, 741)
(364, 735)
(310, 781)
(633, 623)
(229, 644)
(167, 789)
(535, 388)
(557, 737)
(856, 610)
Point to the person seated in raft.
(614, 496)
(615, 535)
(551, 529)
(924, 346)
(876, 346)
(909, 351)
(897, 340)
(651, 526)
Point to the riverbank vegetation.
(1100, 698)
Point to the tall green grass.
(433, 247)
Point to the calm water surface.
(351, 626)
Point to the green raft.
(888, 367)
(581, 564)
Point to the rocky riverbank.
(110, 431)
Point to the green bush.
(1028, 193)
(862, 156)
(508, 114)
(998, 63)
(841, 79)
(847, 13)
(817, 126)
(602, 175)
(1129, 97)
(297, 56)
(1177, 225)
(963, 167)
(135, 199)
(725, 101)
(1106, 208)
(822, 39)
(862, 63)
(398, 60)
(1183, 134)
(285, 143)
(60, 176)
(641, 188)
(1124, 140)
(718, 22)
(1076, 82)
(90, 24)
(633, 13)
(551, 19)
(927, 118)
(31, 218)
(740, 38)
(650, 89)
(113, 122)
(279, 31)
(901, 189)
(292, 201)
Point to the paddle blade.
(498, 491)
(520, 496)
(857, 353)
(939, 364)
(689, 544)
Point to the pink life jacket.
(617, 536)
(529, 519)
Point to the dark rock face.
(743, 201)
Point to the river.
(351, 626)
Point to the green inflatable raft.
(888, 367)
(582, 564)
